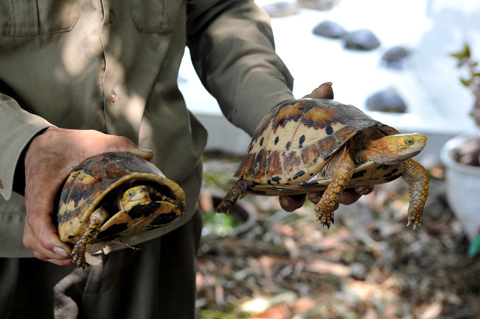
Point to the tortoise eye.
(130, 194)
(409, 141)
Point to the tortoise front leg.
(97, 218)
(416, 177)
(238, 190)
(326, 206)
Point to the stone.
(330, 29)
(395, 57)
(281, 9)
(386, 101)
(362, 39)
(322, 5)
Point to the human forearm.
(234, 55)
(18, 128)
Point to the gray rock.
(330, 29)
(281, 9)
(395, 57)
(362, 39)
(322, 5)
(386, 101)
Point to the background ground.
(367, 265)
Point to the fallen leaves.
(368, 265)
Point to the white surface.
(463, 188)
(437, 103)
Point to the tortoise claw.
(224, 207)
(325, 220)
(415, 224)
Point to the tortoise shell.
(100, 181)
(297, 139)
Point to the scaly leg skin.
(326, 206)
(97, 218)
(416, 176)
(237, 191)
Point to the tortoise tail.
(238, 190)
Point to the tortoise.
(113, 195)
(321, 145)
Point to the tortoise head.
(133, 196)
(393, 149)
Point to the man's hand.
(48, 160)
(291, 203)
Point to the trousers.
(156, 281)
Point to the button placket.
(111, 16)
(113, 96)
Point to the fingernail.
(144, 149)
(284, 202)
(314, 197)
(364, 190)
(60, 251)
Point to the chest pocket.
(30, 17)
(155, 16)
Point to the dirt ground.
(367, 265)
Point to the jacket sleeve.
(17, 129)
(233, 52)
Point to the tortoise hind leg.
(96, 220)
(416, 176)
(238, 190)
(326, 206)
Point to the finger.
(363, 190)
(291, 203)
(60, 251)
(324, 91)
(40, 233)
(58, 262)
(348, 197)
(314, 197)
(145, 153)
(101, 143)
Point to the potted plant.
(461, 156)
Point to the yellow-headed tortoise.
(113, 195)
(321, 145)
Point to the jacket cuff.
(18, 128)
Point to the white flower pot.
(462, 186)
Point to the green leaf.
(465, 53)
(458, 55)
(465, 82)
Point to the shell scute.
(299, 137)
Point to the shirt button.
(111, 16)
(113, 96)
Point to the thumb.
(324, 91)
(145, 153)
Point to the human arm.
(36, 158)
(233, 52)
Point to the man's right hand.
(49, 159)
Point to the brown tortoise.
(113, 195)
(320, 145)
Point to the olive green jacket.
(112, 66)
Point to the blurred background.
(392, 59)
